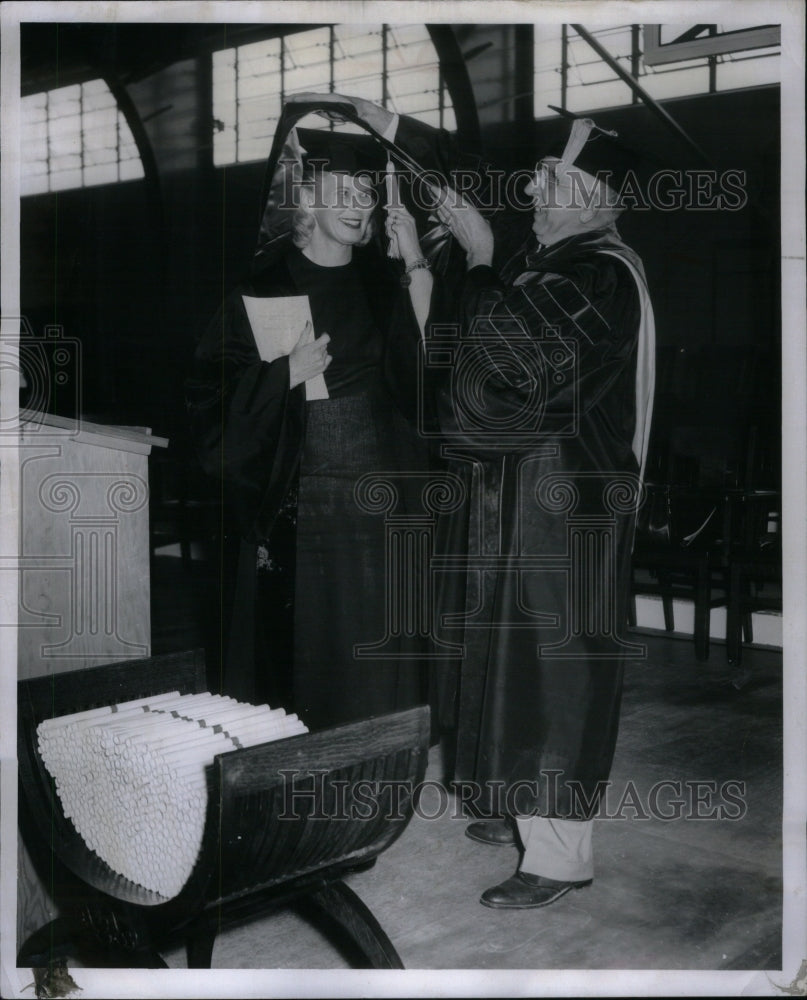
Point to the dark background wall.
(135, 270)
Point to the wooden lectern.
(84, 588)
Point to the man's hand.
(466, 225)
(376, 117)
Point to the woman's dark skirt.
(339, 575)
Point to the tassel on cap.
(578, 137)
(597, 151)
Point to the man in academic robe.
(545, 411)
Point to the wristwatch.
(416, 265)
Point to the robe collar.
(608, 241)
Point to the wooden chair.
(699, 469)
(756, 566)
(681, 552)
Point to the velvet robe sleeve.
(247, 424)
(554, 345)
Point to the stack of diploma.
(131, 777)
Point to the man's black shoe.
(491, 831)
(523, 891)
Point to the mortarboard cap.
(597, 151)
(294, 149)
(297, 155)
(323, 149)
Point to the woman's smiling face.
(342, 206)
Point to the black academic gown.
(249, 428)
(251, 432)
(538, 418)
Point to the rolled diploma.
(188, 702)
(107, 710)
(282, 731)
(218, 717)
(142, 772)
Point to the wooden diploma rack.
(284, 824)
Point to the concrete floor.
(693, 893)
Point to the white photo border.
(259, 983)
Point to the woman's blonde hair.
(303, 223)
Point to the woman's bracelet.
(420, 264)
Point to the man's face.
(342, 206)
(558, 201)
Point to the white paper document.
(276, 325)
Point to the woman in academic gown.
(310, 579)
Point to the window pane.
(34, 182)
(95, 157)
(224, 106)
(99, 128)
(35, 106)
(421, 83)
(680, 82)
(249, 88)
(734, 71)
(64, 101)
(612, 94)
(354, 40)
(547, 59)
(98, 91)
(592, 84)
(66, 163)
(259, 57)
(358, 61)
(307, 61)
(224, 147)
(259, 108)
(254, 149)
(104, 174)
(75, 136)
(66, 129)
(131, 170)
(253, 86)
(34, 141)
(307, 48)
(62, 180)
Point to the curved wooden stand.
(273, 837)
